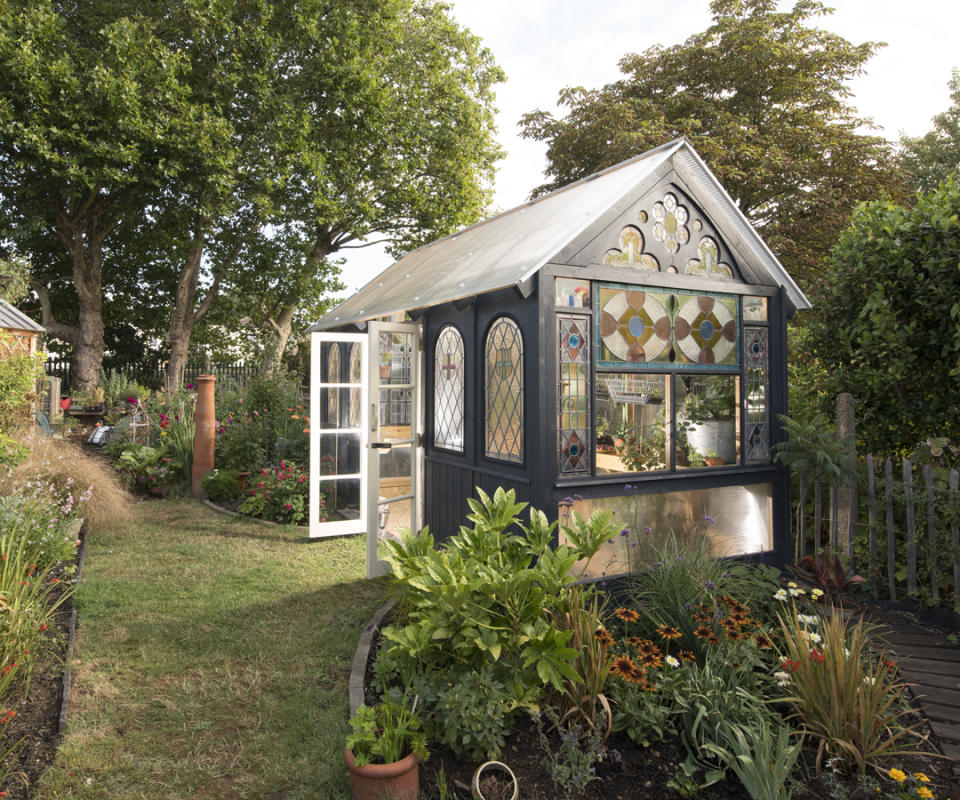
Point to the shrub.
(222, 485)
(19, 372)
(146, 467)
(280, 494)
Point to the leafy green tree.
(935, 155)
(14, 276)
(887, 324)
(762, 95)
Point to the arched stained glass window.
(503, 400)
(355, 379)
(448, 390)
(333, 376)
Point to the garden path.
(931, 664)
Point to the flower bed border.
(221, 510)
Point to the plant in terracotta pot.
(384, 751)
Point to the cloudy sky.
(546, 45)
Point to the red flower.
(817, 656)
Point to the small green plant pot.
(397, 781)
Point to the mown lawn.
(212, 660)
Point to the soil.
(35, 731)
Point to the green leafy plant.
(761, 760)
(19, 372)
(280, 494)
(571, 765)
(385, 734)
(146, 468)
(848, 698)
(222, 485)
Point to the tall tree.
(763, 97)
(932, 157)
(92, 114)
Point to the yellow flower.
(898, 775)
(924, 792)
(163, 433)
(920, 776)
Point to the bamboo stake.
(931, 533)
(955, 536)
(911, 528)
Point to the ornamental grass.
(848, 698)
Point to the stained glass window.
(503, 418)
(629, 252)
(758, 423)
(333, 376)
(448, 390)
(708, 262)
(670, 227)
(573, 352)
(644, 327)
(355, 380)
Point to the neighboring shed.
(19, 332)
(619, 343)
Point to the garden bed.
(635, 773)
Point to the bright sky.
(546, 45)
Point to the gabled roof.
(13, 319)
(508, 249)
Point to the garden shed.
(20, 333)
(619, 343)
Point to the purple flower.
(625, 532)
(578, 496)
(648, 530)
(710, 586)
(627, 488)
(567, 501)
(709, 519)
(688, 605)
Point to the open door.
(338, 433)
(393, 488)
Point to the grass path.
(212, 661)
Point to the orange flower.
(703, 632)
(668, 632)
(627, 615)
(624, 667)
(603, 636)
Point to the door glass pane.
(395, 354)
(339, 499)
(708, 420)
(396, 409)
(631, 422)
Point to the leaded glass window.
(661, 327)
(503, 399)
(758, 422)
(573, 391)
(448, 390)
(355, 380)
(333, 376)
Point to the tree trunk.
(84, 245)
(279, 328)
(184, 317)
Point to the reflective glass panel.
(396, 353)
(503, 401)
(448, 390)
(755, 309)
(631, 422)
(339, 499)
(758, 423)
(396, 412)
(707, 420)
(355, 380)
(333, 375)
(339, 453)
(573, 393)
(734, 519)
(573, 293)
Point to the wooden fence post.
(891, 537)
(872, 512)
(846, 510)
(911, 529)
(931, 533)
(955, 537)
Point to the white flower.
(792, 584)
(816, 594)
(808, 619)
(672, 662)
(846, 652)
(783, 678)
(815, 638)
(796, 592)
(780, 595)
(869, 681)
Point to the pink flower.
(287, 506)
(260, 485)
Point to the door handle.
(381, 445)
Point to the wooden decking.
(931, 664)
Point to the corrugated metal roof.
(508, 249)
(14, 319)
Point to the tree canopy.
(936, 155)
(763, 97)
(887, 324)
(152, 152)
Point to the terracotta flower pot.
(397, 781)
